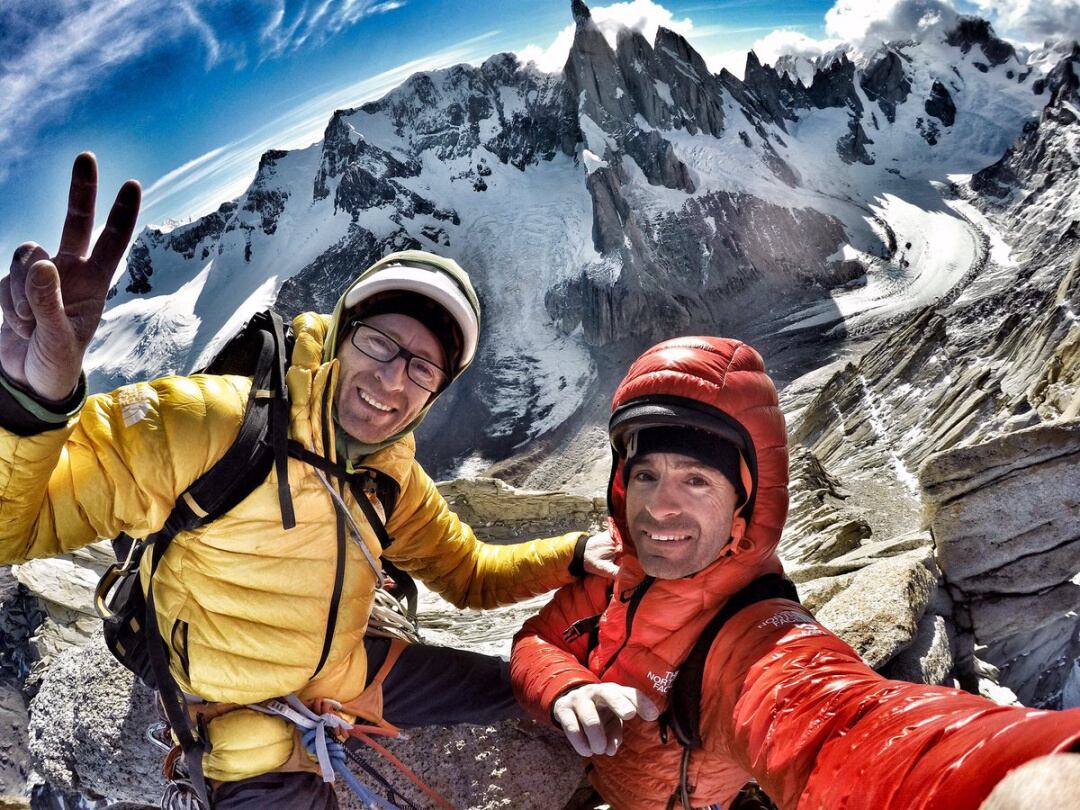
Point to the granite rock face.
(940, 105)
(502, 513)
(930, 657)
(1005, 514)
(972, 31)
(1030, 189)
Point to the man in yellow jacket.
(251, 611)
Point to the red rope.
(358, 733)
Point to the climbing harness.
(324, 733)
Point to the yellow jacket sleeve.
(117, 466)
(432, 543)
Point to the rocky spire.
(834, 85)
(885, 82)
(1064, 79)
(581, 12)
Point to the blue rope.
(337, 759)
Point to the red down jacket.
(784, 701)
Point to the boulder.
(867, 554)
(501, 514)
(878, 612)
(64, 587)
(815, 593)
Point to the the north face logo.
(662, 683)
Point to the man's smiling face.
(376, 400)
(679, 512)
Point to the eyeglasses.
(380, 346)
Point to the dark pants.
(427, 686)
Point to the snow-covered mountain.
(634, 195)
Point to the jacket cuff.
(577, 562)
(26, 415)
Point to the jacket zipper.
(634, 600)
(339, 570)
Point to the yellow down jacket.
(244, 603)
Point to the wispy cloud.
(225, 172)
(294, 25)
(50, 53)
(709, 31)
(49, 65)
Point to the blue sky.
(185, 96)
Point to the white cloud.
(863, 26)
(1033, 21)
(644, 16)
(552, 58)
(792, 43)
(866, 25)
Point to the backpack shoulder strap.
(259, 350)
(683, 715)
(590, 625)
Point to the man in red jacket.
(697, 499)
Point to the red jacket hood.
(727, 376)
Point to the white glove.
(592, 716)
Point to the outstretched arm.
(796, 707)
(433, 544)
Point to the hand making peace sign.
(52, 307)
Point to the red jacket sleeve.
(546, 661)
(819, 729)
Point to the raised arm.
(52, 305)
